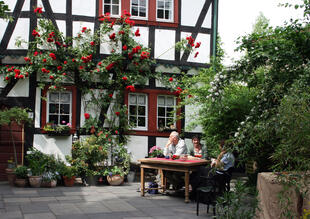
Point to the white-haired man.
(175, 145)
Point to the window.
(164, 10)
(139, 8)
(112, 6)
(59, 108)
(166, 111)
(138, 111)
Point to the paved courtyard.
(113, 202)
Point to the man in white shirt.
(175, 145)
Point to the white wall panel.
(3, 25)
(82, 7)
(162, 68)
(21, 31)
(37, 113)
(161, 142)
(62, 26)
(208, 19)
(164, 44)
(59, 6)
(40, 4)
(138, 146)
(191, 11)
(77, 27)
(191, 113)
(144, 38)
(26, 6)
(105, 44)
(21, 88)
(60, 146)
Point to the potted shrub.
(115, 175)
(49, 179)
(21, 173)
(36, 163)
(69, 174)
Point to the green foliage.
(4, 9)
(14, 114)
(240, 203)
(69, 171)
(21, 172)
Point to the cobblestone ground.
(111, 202)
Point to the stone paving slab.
(40, 216)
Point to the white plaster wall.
(62, 26)
(58, 6)
(162, 68)
(161, 142)
(37, 113)
(138, 146)
(144, 35)
(191, 11)
(60, 146)
(3, 25)
(105, 44)
(191, 113)
(164, 44)
(82, 7)
(207, 23)
(21, 88)
(22, 27)
(2, 82)
(204, 49)
(26, 6)
(78, 25)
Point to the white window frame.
(172, 12)
(142, 128)
(119, 8)
(165, 117)
(48, 104)
(146, 11)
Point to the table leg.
(163, 180)
(142, 187)
(186, 179)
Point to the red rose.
(7, 78)
(121, 32)
(110, 95)
(44, 60)
(124, 78)
(21, 76)
(59, 68)
(51, 77)
(117, 113)
(112, 36)
(65, 62)
(84, 29)
(116, 132)
(131, 88)
(92, 43)
(171, 79)
(35, 53)
(38, 10)
(27, 59)
(73, 60)
(110, 66)
(49, 40)
(137, 33)
(198, 44)
(35, 33)
(144, 55)
(17, 71)
(53, 56)
(64, 74)
(81, 67)
(196, 54)
(124, 47)
(86, 115)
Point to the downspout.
(214, 31)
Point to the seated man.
(175, 146)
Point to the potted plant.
(156, 151)
(115, 175)
(36, 163)
(57, 130)
(69, 174)
(21, 173)
(49, 179)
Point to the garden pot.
(11, 176)
(115, 180)
(69, 181)
(35, 181)
(49, 184)
(92, 180)
(20, 182)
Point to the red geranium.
(86, 115)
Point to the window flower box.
(57, 130)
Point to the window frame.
(139, 128)
(146, 11)
(48, 104)
(174, 108)
(119, 8)
(171, 9)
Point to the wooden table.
(162, 164)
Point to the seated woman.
(197, 149)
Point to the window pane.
(160, 13)
(161, 122)
(167, 14)
(65, 109)
(143, 3)
(141, 100)
(161, 111)
(169, 112)
(115, 1)
(53, 108)
(141, 110)
(53, 119)
(64, 120)
(134, 11)
(142, 12)
(132, 110)
(115, 9)
(132, 99)
(161, 101)
(141, 121)
(107, 1)
(168, 5)
(170, 101)
(65, 98)
(107, 9)
(169, 121)
(135, 2)
(133, 120)
(54, 97)
(160, 4)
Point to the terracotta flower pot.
(115, 180)
(11, 176)
(20, 182)
(35, 181)
(49, 184)
(69, 181)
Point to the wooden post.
(142, 181)
(23, 143)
